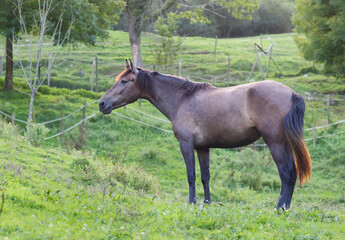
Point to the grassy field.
(129, 181)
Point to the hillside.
(53, 194)
(128, 180)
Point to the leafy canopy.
(321, 38)
(91, 19)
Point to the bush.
(9, 132)
(169, 46)
(35, 133)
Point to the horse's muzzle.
(104, 107)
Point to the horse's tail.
(293, 129)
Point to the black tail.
(293, 128)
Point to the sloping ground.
(73, 195)
(129, 181)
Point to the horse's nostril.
(101, 104)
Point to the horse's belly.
(227, 138)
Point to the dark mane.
(190, 87)
(145, 81)
(186, 87)
(146, 84)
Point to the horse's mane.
(190, 87)
(186, 87)
(146, 84)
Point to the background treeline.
(272, 16)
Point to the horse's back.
(230, 117)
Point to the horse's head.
(125, 90)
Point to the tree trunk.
(134, 32)
(134, 40)
(32, 97)
(9, 63)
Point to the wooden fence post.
(139, 103)
(269, 62)
(228, 73)
(96, 74)
(84, 109)
(13, 117)
(1, 64)
(328, 110)
(313, 134)
(61, 126)
(92, 74)
(215, 46)
(179, 67)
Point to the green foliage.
(35, 133)
(9, 131)
(321, 33)
(240, 8)
(130, 180)
(169, 46)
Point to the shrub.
(35, 133)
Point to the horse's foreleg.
(204, 161)
(187, 150)
(287, 172)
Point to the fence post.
(49, 68)
(139, 103)
(61, 126)
(1, 64)
(313, 134)
(96, 74)
(154, 67)
(84, 109)
(215, 46)
(261, 41)
(328, 110)
(179, 67)
(228, 73)
(13, 117)
(92, 74)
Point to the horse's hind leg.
(284, 160)
(204, 161)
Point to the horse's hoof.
(282, 209)
(207, 202)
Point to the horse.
(204, 117)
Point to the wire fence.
(151, 125)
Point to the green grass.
(129, 180)
(53, 194)
(197, 56)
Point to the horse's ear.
(133, 67)
(127, 64)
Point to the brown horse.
(205, 117)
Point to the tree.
(140, 13)
(321, 38)
(92, 19)
(8, 27)
(169, 46)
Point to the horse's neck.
(166, 97)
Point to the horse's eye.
(124, 81)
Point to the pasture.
(129, 181)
